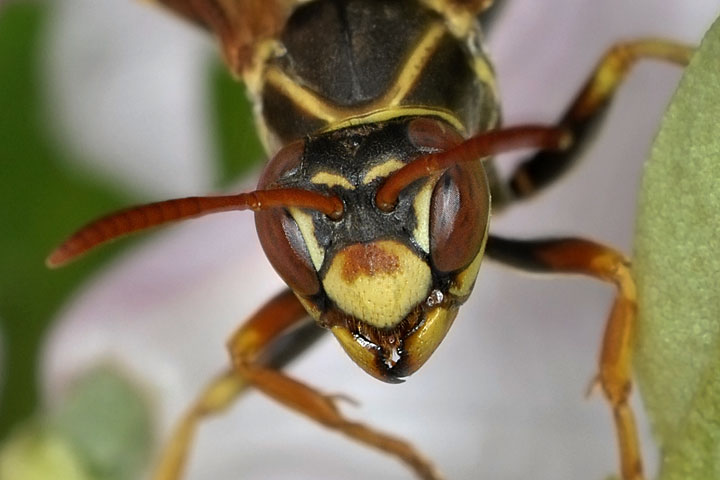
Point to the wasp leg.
(227, 387)
(586, 111)
(246, 349)
(219, 395)
(574, 255)
(255, 353)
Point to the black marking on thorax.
(344, 58)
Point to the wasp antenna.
(474, 148)
(143, 217)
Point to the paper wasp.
(427, 88)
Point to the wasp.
(382, 120)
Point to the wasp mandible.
(382, 120)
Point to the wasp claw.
(592, 386)
(341, 397)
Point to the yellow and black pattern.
(379, 284)
(374, 61)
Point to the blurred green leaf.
(677, 266)
(40, 203)
(36, 453)
(234, 130)
(101, 431)
(108, 422)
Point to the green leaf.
(677, 267)
(102, 431)
(107, 421)
(40, 203)
(42, 200)
(36, 453)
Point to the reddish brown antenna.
(143, 217)
(474, 148)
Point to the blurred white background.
(502, 398)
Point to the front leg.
(247, 349)
(587, 109)
(269, 339)
(293, 333)
(584, 257)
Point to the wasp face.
(387, 284)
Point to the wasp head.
(386, 279)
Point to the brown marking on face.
(368, 259)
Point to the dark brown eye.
(278, 232)
(460, 202)
(431, 133)
(285, 247)
(459, 212)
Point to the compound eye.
(278, 232)
(459, 213)
(285, 247)
(433, 134)
(460, 203)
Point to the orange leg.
(226, 388)
(218, 396)
(250, 342)
(256, 357)
(586, 111)
(573, 255)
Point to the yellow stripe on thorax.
(386, 107)
(390, 113)
(413, 66)
(302, 97)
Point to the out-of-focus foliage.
(107, 420)
(101, 431)
(42, 199)
(35, 453)
(234, 131)
(677, 266)
(40, 202)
